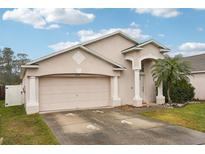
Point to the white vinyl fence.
(13, 95)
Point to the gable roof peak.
(83, 44)
(155, 42)
(117, 32)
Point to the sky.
(38, 32)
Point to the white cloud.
(26, 16)
(191, 48)
(85, 35)
(187, 53)
(161, 35)
(200, 29)
(199, 9)
(133, 31)
(62, 45)
(48, 18)
(133, 24)
(160, 12)
(53, 26)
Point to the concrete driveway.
(115, 126)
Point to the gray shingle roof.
(197, 62)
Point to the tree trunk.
(168, 95)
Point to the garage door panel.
(74, 93)
(72, 90)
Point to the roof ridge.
(108, 35)
(129, 47)
(82, 44)
(102, 56)
(156, 42)
(194, 55)
(53, 54)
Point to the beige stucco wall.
(111, 48)
(64, 64)
(149, 51)
(147, 56)
(25, 88)
(149, 85)
(198, 81)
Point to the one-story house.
(197, 78)
(111, 70)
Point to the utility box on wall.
(14, 95)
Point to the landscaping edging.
(179, 105)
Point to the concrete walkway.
(114, 126)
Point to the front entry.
(148, 88)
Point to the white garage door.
(73, 93)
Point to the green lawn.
(18, 128)
(191, 116)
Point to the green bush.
(181, 92)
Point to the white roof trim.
(152, 41)
(53, 54)
(77, 46)
(24, 67)
(119, 69)
(81, 44)
(139, 47)
(29, 66)
(111, 34)
(74, 47)
(131, 49)
(196, 72)
(164, 50)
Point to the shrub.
(181, 92)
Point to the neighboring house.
(111, 70)
(197, 79)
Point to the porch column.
(32, 104)
(137, 98)
(116, 101)
(160, 99)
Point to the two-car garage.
(64, 93)
(71, 79)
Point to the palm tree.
(169, 71)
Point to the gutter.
(197, 72)
(29, 66)
(24, 67)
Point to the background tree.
(1, 66)
(21, 59)
(10, 66)
(7, 56)
(169, 71)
